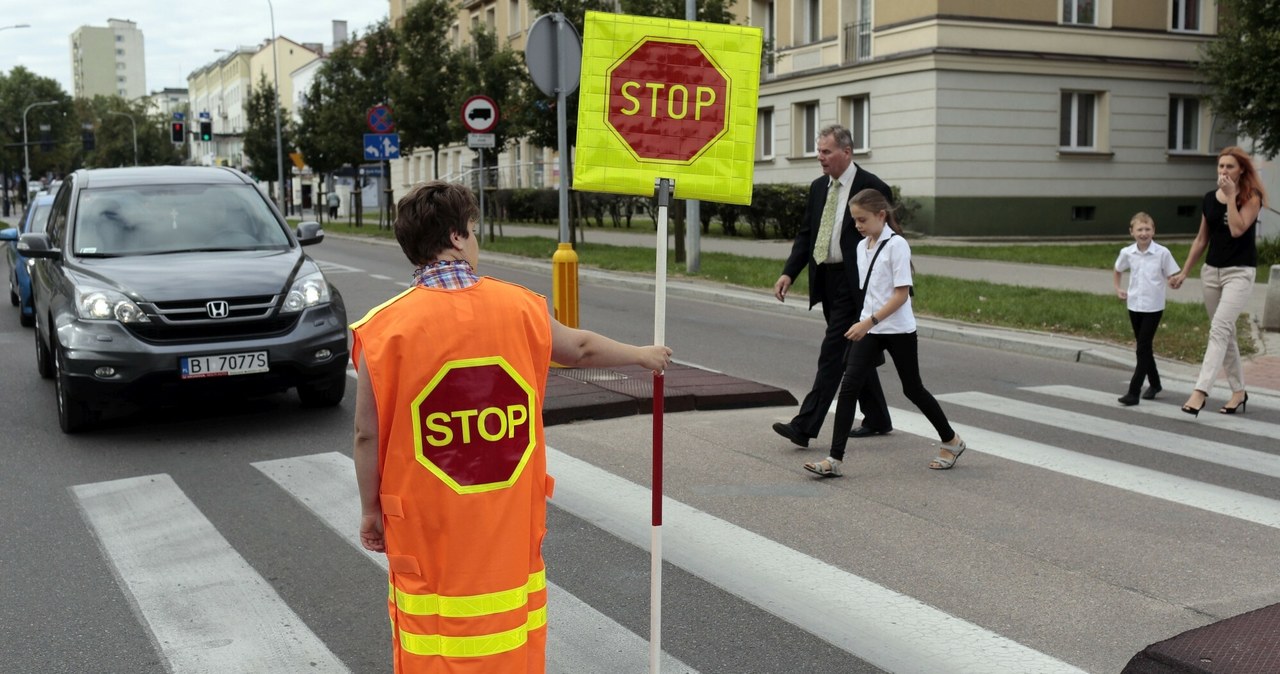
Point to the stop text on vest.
(677, 98)
(490, 424)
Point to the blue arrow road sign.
(381, 146)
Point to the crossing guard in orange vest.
(449, 449)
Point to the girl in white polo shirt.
(1150, 267)
(886, 324)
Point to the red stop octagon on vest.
(668, 100)
(475, 424)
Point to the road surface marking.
(1209, 416)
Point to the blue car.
(19, 277)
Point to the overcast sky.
(179, 36)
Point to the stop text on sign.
(668, 100)
(489, 424)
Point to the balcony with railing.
(857, 42)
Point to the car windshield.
(160, 219)
(39, 217)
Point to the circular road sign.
(480, 114)
(547, 47)
(379, 119)
(668, 100)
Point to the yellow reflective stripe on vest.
(473, 647)
(470, 606)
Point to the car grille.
(189, 320)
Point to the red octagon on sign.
(475, 424)
(668, 100)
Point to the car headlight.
(106, 305)
(308, 291)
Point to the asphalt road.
(1070, 535)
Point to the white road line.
(206, 608)
(579, 638)
(381, 277)
(335, 268)
(888, 629)
(1220, 453)
(1180, 490)
(1209, 416)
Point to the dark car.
(151, 283)
(19, 276)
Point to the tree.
(422, 87)
(487, 68)
(260, 132)
(19, 89)
(110, 116)
(1241, 66)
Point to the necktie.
(822, 247)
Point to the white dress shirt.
(1149, 271)
(892, 270)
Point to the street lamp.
(135, 133)
(26, 151)
(275, 64)
(16, 25)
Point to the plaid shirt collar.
(446, 275)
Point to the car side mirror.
(34, 244)
(309, 233)
(9, 234)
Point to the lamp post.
(135, 133)
(26, 151)
(275, 64)
(16, 25)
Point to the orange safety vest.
(459, 378)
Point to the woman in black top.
(1228, 228)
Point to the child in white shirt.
(1150, 265)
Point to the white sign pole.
(665, 186)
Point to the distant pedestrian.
(1151, 268)
(1228, 228)
(885, 324)
(825, 244)
(333, 201)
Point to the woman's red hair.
(1249, 183)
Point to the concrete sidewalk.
(1261, 371)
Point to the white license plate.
(224, 365)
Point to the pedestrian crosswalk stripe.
(1181, 490)
(579, 638)
(1209, 451)
(886, 628)
(206, 608)
(1208, 417)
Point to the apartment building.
(108, 61)
(1029, 118)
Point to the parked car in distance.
(150, 283)
(19, 276)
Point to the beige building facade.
(108, 61)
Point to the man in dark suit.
(826, 244)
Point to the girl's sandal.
(941, 462)
(827, 467)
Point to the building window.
(764, 134)
(513, 16)
(858, 121)
(1186, 15)
(1079, 120)
(120, 78)
(491, 18)
(808, 125)
(1184, 124)
(1078, 12)
(119, 52)
(812, 20)
(1082, 213)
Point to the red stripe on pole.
(657, 449)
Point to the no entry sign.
(667, 99)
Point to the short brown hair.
(1141, 216)
(429, 214)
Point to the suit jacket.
(802, 249)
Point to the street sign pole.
(480, 232)
(562, 126)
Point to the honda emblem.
(218, 309)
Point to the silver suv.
(154, 282)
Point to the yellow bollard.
(564, 284)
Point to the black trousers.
(1145, 324)
(841, 312)
(863, 356)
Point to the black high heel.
(1238, 408)
(1194, 411)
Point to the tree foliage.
(115, 121)
(423, 88)
(19, 89)
(262, 160)
(1241, 66)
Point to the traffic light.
(178, 132)
(206, 131)
(86, 137)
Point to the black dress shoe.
(791, 433)
(1150, 393)
(1128, 400)
(864, 432)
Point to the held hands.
(858, 330)
(781, 287)
(1176, 280)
